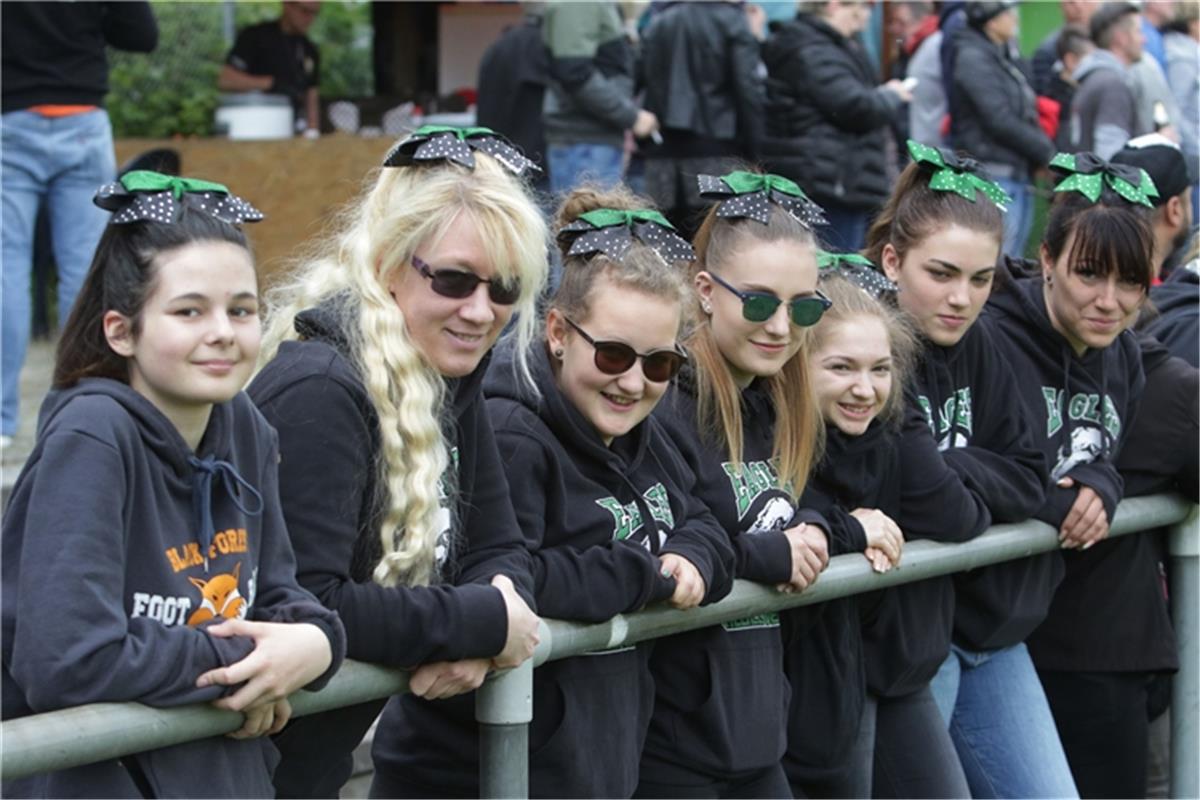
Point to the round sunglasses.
(760, 306)
(616, 358)
(459, 284)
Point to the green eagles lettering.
(954, 413)
(768, 620)
(627, 519)
(1081, 407)
(749, 480)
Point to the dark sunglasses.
(759, 306)
(616, 358)
(459, 283)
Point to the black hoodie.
(966, 391)
(582, 508)
(1081, 407)
(906, 629)
(329, 443)
(111, 576)
(1177, 300)
(721, 696)
(1110, 612)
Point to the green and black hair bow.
(431, 143)
(613, 231)
(750, 194)
(858, 270)
(145, 196)
(1087, 173)
(951, 173)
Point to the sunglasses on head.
(760, 306)
(616, 358)
(459, 283)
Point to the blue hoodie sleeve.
(934, 504)
(279, 597)
(1003, 464)
(73, 641)
(585, 584)
(324, 473)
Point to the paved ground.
(35, 381)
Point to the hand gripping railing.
(504, 704)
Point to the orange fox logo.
(219, 597)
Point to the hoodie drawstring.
(208, 470)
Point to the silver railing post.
(504, 709)
(1185, 689)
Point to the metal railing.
(504, 704)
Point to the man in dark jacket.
(827, 120)
(1104, 111)
(995, 113)
(700, 66)
(512, 85)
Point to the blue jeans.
(1001, 724)
(61, 161)
(847, 229)
(573, 164)
(1019, 219)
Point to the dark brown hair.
(121, 278)
(1110, 234)
(914, 212)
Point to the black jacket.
(329, 442)
(1178, 323)
(1110, 612)
(995, 113)
(827, 121)
(54, 53)
(111, 576)
(906, 629)
(512, 84)
(721, 696)
(700, 69)
(1081, 406)
(966, 391)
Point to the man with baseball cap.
(1164, 162)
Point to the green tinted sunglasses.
(760, 306)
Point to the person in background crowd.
(700, 67)
(1075, 13)
(995, 116)
(927, 110)
(513, 74)
(145, 556)
(277, 57)
(590, 104)
(1157, 15)
(57, 148)
(1182, 43)
(607, 504)
(1080, 380)
(940, 247)
(1104, 110)
(744, 420)
(1072, 45)
(890, 468)
(395, 497)
(827, 120)
(1177, 301)
(910, 23)
(1171, 220)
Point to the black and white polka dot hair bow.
(857, 269)
(431, 143)
(145, 196)
(612, 232)
(750, 194)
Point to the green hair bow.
(431, 143)
(857, 269)
(145, 196)
(950, 173)
(1087, 174)
(612, 231)
(750, 194)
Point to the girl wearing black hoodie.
(881, 467)
(938, 238)
(743, 419)
(144, 551)
(606, 503)
(395, 496)
(1082, 379)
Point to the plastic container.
(255, 115)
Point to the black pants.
(660, 782)
(1102, 722)
(914, 754)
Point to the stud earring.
(558, 353)
(706, 307)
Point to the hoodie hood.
(1097, 61)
